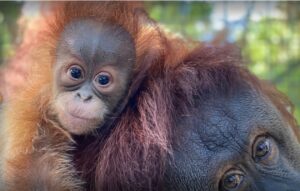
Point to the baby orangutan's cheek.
(79, 117)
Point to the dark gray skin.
(90, 53)
(219, 147)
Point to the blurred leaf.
(9, 13)
(273, 49)
(180, 16)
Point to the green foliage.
(9, 12)
(273, 48)
(5, 45)
(181, 16)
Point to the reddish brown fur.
(28, 115)
(132, 154)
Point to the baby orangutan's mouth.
(78, 123)
(81, 116)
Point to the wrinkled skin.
(220, 140)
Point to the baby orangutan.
(92, 73)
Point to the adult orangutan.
(192, 118)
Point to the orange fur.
(35, 147)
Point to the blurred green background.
(268, 33)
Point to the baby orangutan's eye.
(103, 79)
(75, 72)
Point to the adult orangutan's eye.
(264, 150)
(231, 180)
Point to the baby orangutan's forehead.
(96, 42)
